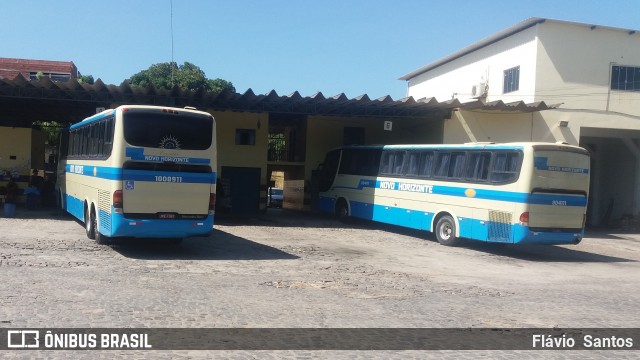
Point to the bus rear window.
(168, 131)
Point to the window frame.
(511, 80)
(632, 85)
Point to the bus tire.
(89, 223)
(342, 211)
(100, 239)
(446, 231)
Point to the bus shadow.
(219, 246)
(542, 253)
(528, 252)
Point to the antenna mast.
(172, 61)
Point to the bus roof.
(110, 112)
(469, 146)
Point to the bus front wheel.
(446, 231)
(342, 211)
(91, 225)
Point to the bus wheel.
(89, 223)
(100, 239)
(342, 211)
(446, 231)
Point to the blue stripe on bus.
(110, 173)
(485, 194)
(540, 163)
(470, 228)
(138, 155)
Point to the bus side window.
(506, 167)
(108, 137)
(398, 163)
(456, 165)
(412, 163)
(426, 164)
(442, 164)
(392, 163)
(477, 168)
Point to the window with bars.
(625, 78)
(511, 80)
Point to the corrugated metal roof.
(21, 96)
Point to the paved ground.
(293, 270)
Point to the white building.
(591, 72)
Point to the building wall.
(10, 68)
(574, 64)
(230, 154)
(455, 79)
(470, 126)
(560, 63)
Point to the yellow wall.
(16, 142)
(230, 154)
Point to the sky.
(354, 47)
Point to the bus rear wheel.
(446, 231)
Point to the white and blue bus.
(507, 193)
(140, 171)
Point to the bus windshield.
(167, 130)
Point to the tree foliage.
(51, 130)
(86, 79)
(186, 76)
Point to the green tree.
(86, 79)
(186, 76)
(51, 130)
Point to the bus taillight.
(212, 203)
(524, 218)
(117, 201)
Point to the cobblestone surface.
(294, 270)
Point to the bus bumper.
(123, 227)
(524, 235)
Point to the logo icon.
(23, 339)
(169, 142)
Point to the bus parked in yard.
(140, 171)
(507, 193)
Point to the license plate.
(167, 216)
